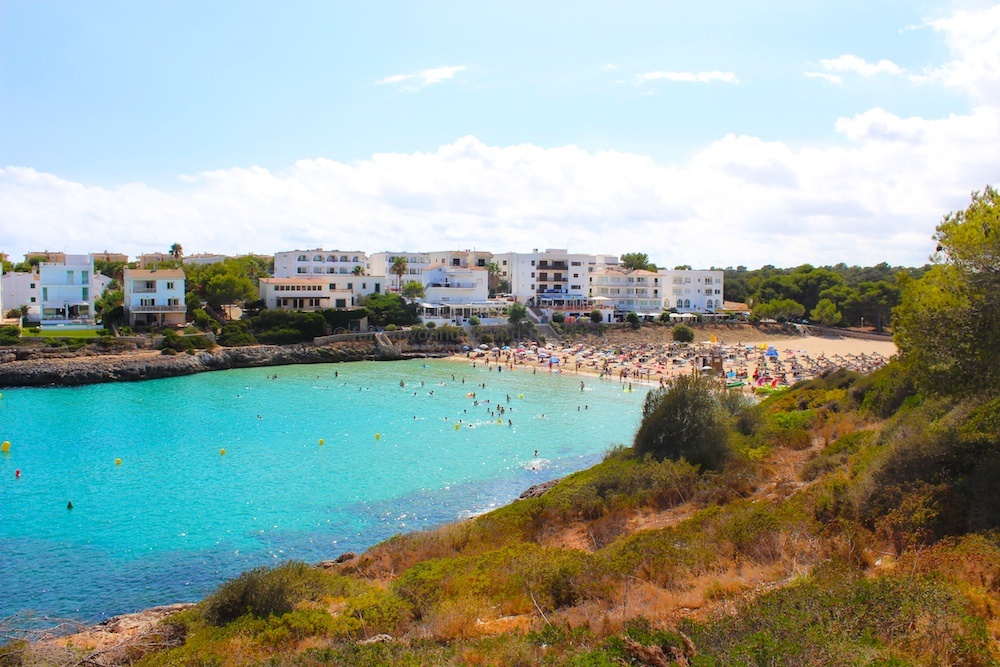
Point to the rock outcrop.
(74, 371)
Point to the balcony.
(453, 285)
(557, 266)
(180, 308)
(143, 290)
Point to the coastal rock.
(538, 490)
(96, 369)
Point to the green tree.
(227, 288)
(492, 278)
(358, 270)
(637, 260)
(779, 309)
(596, 316)
(685, 421)
(682, 333)
(385, 309)
(177, 251)
(413, 290)
(633, 319)
(947, 326)
(398, 269)
(826, 313)
(516, 314)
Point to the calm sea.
(176, 517)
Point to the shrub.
(391, 327)
(685, 420)
(474, 321)
(431, 325)
(263, 591)
(596, 316)
(682, 333)
(633, 320)
(559, 317)
(9, 335)
(235, 334)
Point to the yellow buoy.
(222, 452)
(499, 421)
(520, 395)
(458, 426)
(118, 462)
(322, 441)
(378, 436)
(5, 447)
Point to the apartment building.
(66, 291)
(692, 291)
(319, 262)
(637, 291)
(554, 273)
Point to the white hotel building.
(692, 291)
(318, 262)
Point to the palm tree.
(177, 251)
(399, 270)
(493, 277)
(358, 270)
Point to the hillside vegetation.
(851, 520)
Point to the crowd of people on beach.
(737, 365)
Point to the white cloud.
(740, 200)
(423, 78)
(687, 77)
(974, 40)
(832, 78)
(855, 65)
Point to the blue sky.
(729, 133)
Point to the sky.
(723, 134)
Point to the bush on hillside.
(264, 591)
(236, 334)
(685, 420)
(682, 333)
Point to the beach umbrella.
(465, 348)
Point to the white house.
(204, 258)
(318, 262)
(66, 290)
(462, 258)
(309, 293)
(637, 291)
(21, 289)
(692, 291)
(455, 284)
(154, 297)
(554, 273)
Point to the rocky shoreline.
(43, 371)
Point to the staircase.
(385, 349)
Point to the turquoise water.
(176, 517)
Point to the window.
(505, 262)
(575, 264)
(317, 258)
(532, 273)
(302, 269)
(32, 299)
(85, 293)
(302, 258)
(532, 262)
(455, 261)
(341, 303)
(150, 285)
(576, 275)
(365, 286)
(666, 304)
(708, 281)
(317, 269)
(480, 262)
(350, 285)
(687, 281)
(170, 285)
(354, 259)
(333, 286)
(45, 294)
(343, 258)
(687, 303)
(173, 302)
(575, 287)
(31, 286)
(331, 258)
(147, 302)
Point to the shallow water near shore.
(177, 517)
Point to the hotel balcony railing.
(159, 309)
(143, 290)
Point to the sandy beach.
(770, 362)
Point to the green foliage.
(205, 321)
(265, 591)
(836, 618)
(948, 324)
(558, 317)
(685, 420)
(474, 321)
(637, 260)
(682, 333)
(826, 313)
(9, 335)
(633, 319)
(388, 309)
(279, 327)
(935, 473)
(516, 313)
(235, 334)
(778, 309)
(596, 316)
(884, 391)
(413, 290)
